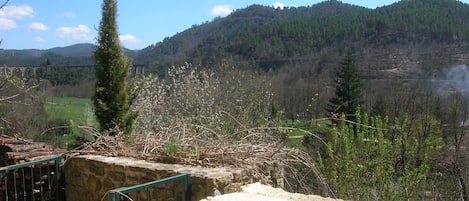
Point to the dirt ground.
(259, 192)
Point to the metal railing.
(171, 188)
(31, 181)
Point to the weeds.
(172, 147)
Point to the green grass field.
(304, 128)
(78, 110)
(73, 111)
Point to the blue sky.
(44, 24)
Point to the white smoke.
(456, 80)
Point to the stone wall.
(90, 177)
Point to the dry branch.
(22, 90)
(4, 4)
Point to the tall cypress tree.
(112, 98)
(348, 85)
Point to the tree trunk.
(462, 183)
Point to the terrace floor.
(260, 192)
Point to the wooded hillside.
(267, 38)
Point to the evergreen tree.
(112, 98)
(348, 95)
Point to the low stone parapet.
(90, 177)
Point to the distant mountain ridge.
(76, 54)
(77, 50)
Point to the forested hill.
(264, 37)
(180, 45)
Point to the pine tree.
(348, 95)
(112, 98)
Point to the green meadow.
(71, 112)
(77, 110)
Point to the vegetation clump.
(112, 98)
(213, 118)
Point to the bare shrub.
(218, 118)
(217, 105)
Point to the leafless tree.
(11, 87)
(4, 4)
(13, 91)
(455, 159)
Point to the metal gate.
(31, 181)
(171, 188)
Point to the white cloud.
(9, 14)
(36, 26)
(68, 15)
(40, 40)
(127, 38)
(279, 5)
(6, 24)
(16, 12)
(80, 32)
(221, 10)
